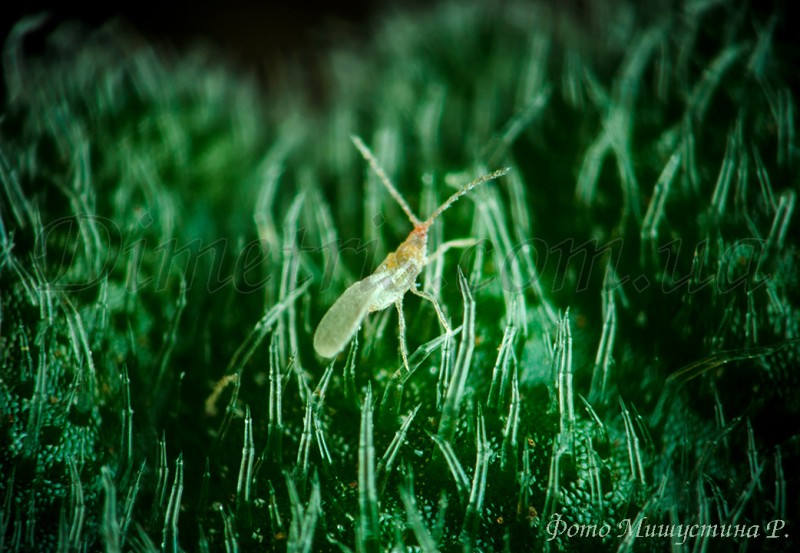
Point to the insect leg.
(402, 337)
(439, 312)
(461, 243)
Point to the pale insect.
(393, 278)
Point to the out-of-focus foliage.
(627, 328)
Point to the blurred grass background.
(181, 203)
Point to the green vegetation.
(628, 332)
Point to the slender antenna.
(386, 182)
(449, 201)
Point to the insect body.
(392, 279)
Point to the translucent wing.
(342, 320)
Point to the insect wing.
(342, 320)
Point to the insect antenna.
(373, 163)
(449, 201)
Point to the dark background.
(252, 34)
(252, 31)
(259, 33)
